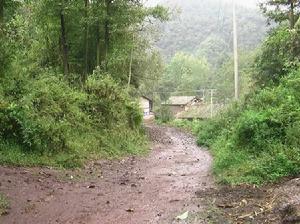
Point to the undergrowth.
(4, 204)
(257, 140)
(48, 122)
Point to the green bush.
(254, 129)
(109, 104)
(257, 140)
(192, 126)
(164, 114)
(4, 204)
(44, 118)
(207, 129)
(293, 134)
(56, 124)
(221, 124)
(278, 56)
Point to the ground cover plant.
(257, 140)
(4, 204)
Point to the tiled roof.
(179, 100)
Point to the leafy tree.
(186, 73)
(64, 69)
(215, 49)
(78, 36)
(279, 55)
(223, 78)
(282, 10)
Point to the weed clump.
(4, 205)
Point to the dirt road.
(153, 189)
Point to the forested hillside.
(198, 23)
(198, 48)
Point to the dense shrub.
(46, 116)
(109, 104)
(279, 56)
(221, 124)
(53, 118)
(257, 140)
(164, 114)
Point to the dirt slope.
(154, 189)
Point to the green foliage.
(281, 10)
(4, 204)
(257, 140)
(44, 118)
(192, 126)
(279, 56)
(292, 134)
(215, 49)
(186, 72)
(204, 22)
(209, 130)
(55, 124)
(62, 120)
(109, 103)
(223, 77)
(164, 115)
(219, 125)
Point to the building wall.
(175, 109)
(145, 106)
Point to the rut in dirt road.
(154, 189)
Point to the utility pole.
(235, 49)
(211, 102)
(130, 62)
(1, 12)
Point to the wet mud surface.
(152, 189)
(174, 178)
(249, 204)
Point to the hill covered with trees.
(198, 47)
(198, 23)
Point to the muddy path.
(152, 189)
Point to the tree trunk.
(106, 34)
(130, 63)
(64, 45)
(98, 45)
(292, 14)
(86, 4)
(130, 68)
(1, 12)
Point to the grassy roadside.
(248, 148)
(52, 123)
(115, 145)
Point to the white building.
(146, 105)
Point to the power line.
(186, 91)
